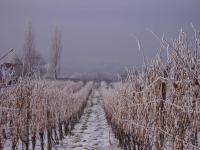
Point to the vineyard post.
(27, 126)
(194, 138)
(1, 144)
(60, 129)
(33, 138)
(28, 116)
(49, 131)
(66, 129)
(162, 123)
(55, 134)
(41, 134)
(2, 137)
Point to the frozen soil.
(92, 131)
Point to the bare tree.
(29, 50)
(56, 48)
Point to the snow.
(93, 131)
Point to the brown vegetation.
(159, 108)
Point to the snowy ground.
(93, 131)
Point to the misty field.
(99, 75)
(157, 107)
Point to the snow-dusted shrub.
(159, 107)
(34, 108)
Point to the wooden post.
(162, 122)
(41, 133)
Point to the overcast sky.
(95, 32)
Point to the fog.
(97, 36)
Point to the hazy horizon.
(96, 35)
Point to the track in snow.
(93, 131)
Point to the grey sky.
(95, 32)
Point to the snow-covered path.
(93, 131)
